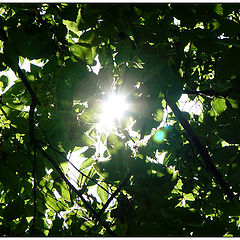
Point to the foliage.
(187, 184)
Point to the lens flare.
(160, 135)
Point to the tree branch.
(28, 86)
(77, 192)
(201, 149)
(33, 141)
(114, 195)
(208, 93)
(86, 176)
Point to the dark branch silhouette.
(201, 149)
(114, 195)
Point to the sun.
(113, 109)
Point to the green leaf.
(10, 55)
(72, 26)
(14, 210)
(124, 49)
(56, 229)
(214, 227)
(88, 162)
(2, 62)
(22, 39)
(229, 27)
(33, 46)
(91, 38)
(21, 124)
(102, 193)
(51, 202)
(63, 190)
(51, 65)
(83, 52)
(70, 12)
(159, 115)
(90, 115)
(5, 81)
(219, 105)
(169, 83)
(224, 155)
(234, 175)
(230, 133)
(232, 209)
(8, 177)
(112, 170)
(185, 13)
(20, 162)
(189, 217)
(114, 143)
(40, 46)
(228, 65)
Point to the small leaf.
(10, 55)
(219, 105)
(159, 115)
(8, 177)
(124, 49)
(2, 64)
(230, 133)
(88, 162)
(22, 39)
(89, 152)
(83, 52)
(52, 202)
(102, 193)
(224, 155)
(51, 65)
(22, 124)
(72, 26)
(189, 217)
(5, 81)
(14, 210)
(114, 143)
(63, 190)
(228, 65)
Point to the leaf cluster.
(124, 183)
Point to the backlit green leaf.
(219, 105)
(102, 193)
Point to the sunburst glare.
(113, 109)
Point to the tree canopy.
(156, 171)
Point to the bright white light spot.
(97, 67)
(176, 21)
(187, 105)
(26, 64)
(112, 110)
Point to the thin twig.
(77, 192)
(207, 93)
(83, 174)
